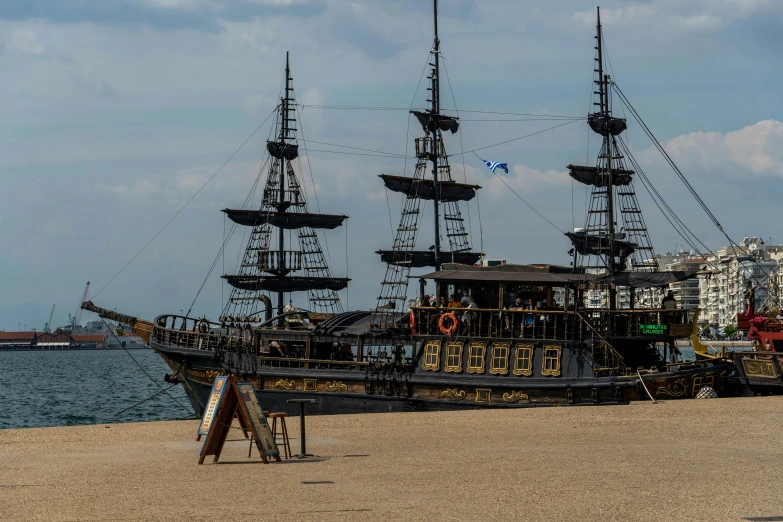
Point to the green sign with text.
(653, 329)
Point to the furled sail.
(288, 284)
(430, 122)
(592, 245)
(420, 259)
(285, 220)
(282, 149)
(425, 188)
(606, 125)
(592, 176)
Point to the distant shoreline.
(74, 349)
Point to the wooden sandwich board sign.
(257, 424)
(215, 397)
(219, 387)
(239, 398)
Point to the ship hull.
(351, 392)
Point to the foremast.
(441, 189)
(600, 245)
(277, 269)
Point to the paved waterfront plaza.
(687, 460)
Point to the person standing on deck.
(529, 317)
(468, 317)
(669, 302)
(516, 305)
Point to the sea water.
(72, 387)
(68, 388)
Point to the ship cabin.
(535, 304)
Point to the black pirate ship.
(429, 356)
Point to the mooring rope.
(145, 371)
(641, 379)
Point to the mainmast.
(441, 189)
(435, 91)
(268, 269)
(603, 83)
(601, 246)
(285, 129)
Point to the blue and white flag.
(495, 165)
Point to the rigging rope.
(516, 139)
(392, 154)
(678, 225)
(685, 182)
(183, 206)
(142, 368)
(312, 182)
(145, 400)
(462, 148)
(531, 207)
(358, 107)
(226, 239)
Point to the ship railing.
(198, 334)
(555, 325)
(548, 325)
(648, 322)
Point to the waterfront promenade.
(678, 460)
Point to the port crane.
(48, 324)
(77, 317)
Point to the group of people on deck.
(466, 301)
(521, 304)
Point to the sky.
(114, 114)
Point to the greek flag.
(495, 165)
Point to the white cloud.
(753, 150)
(180, 4)
(255, 103)
(137, 190)
(703, 16)
(24, 39)
(524, 180)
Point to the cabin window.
(476, 354)
(499, 363)
(524, 360)
(551, 364)
(432, 356)
(453, 357)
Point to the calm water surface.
(68, 388)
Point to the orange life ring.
(451, 329)
(413, 323)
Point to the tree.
(730, 330)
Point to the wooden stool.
(283, 431)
